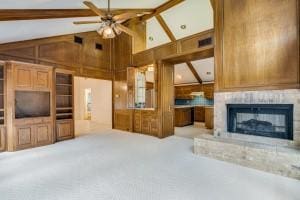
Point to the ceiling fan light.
(108, 33)
(100, 31)
(117, 31)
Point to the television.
(32, 104)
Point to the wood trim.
(169, 4)
(193, 70)
(30, 14)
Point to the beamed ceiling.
(184, 18)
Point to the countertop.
(192, 106)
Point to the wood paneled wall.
(122, 116)
(63, 52)
(256, 44)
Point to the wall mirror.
(142, 87)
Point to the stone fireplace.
(258, 129)
(282, 107)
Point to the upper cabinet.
(32, 77)
(257, 44)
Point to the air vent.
(78, 40)
(204, 42)
(99, 46)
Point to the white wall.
(101, 99)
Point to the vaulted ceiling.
(186, 18)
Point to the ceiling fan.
(110, 25)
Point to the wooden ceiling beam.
(31, 14)
(193, 70)
(164, 25)
(169, 4)
(168, 31)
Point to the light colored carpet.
(123, 166)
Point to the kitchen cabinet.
(184, 116)
(209, 117)
(199, 114)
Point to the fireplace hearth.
(268, 120)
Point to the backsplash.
(198, 100)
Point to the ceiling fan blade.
(94, 8)
(87, 22)
(125, 16)
(125, 30)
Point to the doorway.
(93, 105)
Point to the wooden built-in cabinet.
(183, 116)
(209, 117)
(146, 122)
(64, 104)
(199, 115)
(184, 92)
(27, 131)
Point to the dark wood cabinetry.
(199, 115)
(184, 116)
(209, 117)
(146, 122)
(64, 109)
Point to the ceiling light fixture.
(183, 26)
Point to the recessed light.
(151, 38)
(179, 76)
(183, 26)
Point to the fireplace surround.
(267, 120)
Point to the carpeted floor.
(116, 165)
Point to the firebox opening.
(268, 120)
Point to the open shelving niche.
(64, 96)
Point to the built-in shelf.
(64, 108)
(63, 114)
(64, 95)
(62, 84)
(1, 109)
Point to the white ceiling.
(61, 4)
(204, 68)
(196, 15)
(12, 31)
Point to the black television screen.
(32, 104)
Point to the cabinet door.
(2, 139)
(146, 124)
(154, 127)
(42, 79)
(24, 137)
(43, 134)
(137, 121)
(23, 78)
(64, 129)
